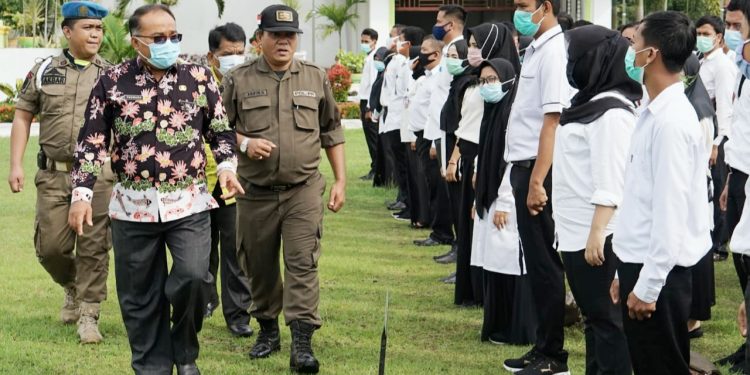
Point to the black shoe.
(189, 369)
(302, 358)
(696, 333)
(450, 279)
(498, 339)
(449, 258)
(240, 330)
(402, 216)
(397, 206)
(210, 308)
(429, 242)
(518, 364)
(453, 249)
(368, 177)
(734, 358)
(545, 366)
(268, 340)
(418, 225)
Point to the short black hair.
(398, 27)
(741, 5)
(69, 22)
(413, 35)
(580, 23)
(673, 34)
(565, 20)
(716, 23)
(628, 26)
(555, 5)
(231, 32)
(134, 22)
(371, 33)
(454, 11)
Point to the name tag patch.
(135, 98)
(255, 93)
(305, 93)
(54, 76)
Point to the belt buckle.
(278, 188)
(61, 166)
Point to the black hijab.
(377, 85)
(496, 41)
(451, 113)
(596, 64)
(696, 91)
(491, 164)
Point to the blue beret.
(83, 9)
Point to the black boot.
(302, 359)
(268, 340)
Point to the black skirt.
(509, 312)
(468, 279)
(704, 293)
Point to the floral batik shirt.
(156, 132)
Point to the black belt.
(528, 164)
(278, 188)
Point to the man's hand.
(723, 197)
(500, 220)
(638, 309)
(595, 248)
(259, 148)
(742, 319)
(338, 196)
(15, 179)
(714, 156)
(614, 291)
(230, 186)
(80, 211)
(451, 174)
(433, 153)
(537, 198)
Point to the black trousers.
(545, 269)
(235, 287)
(735, 203)
(146, 289)
(719, 172)
(440, 215)
(394, 159)
(606, 345)
(418, 193)
(454, 188)
(660, 344)
(469, 286)
(371, 134)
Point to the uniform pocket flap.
(307, 102)
(53, 90)
(256, 102)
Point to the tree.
(116, 46)
(339, 15)
(122, 5)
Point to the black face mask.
(424, 59)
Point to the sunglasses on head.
(161, 39)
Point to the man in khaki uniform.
(57, 90)
(284, 112)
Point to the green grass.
(365, 254)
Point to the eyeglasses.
(161, 39)
(488, 80)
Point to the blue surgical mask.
(379, 65)
(365, 47)
(634, 72)
(493, 92)
(164, 55)
(742, 64)
(226, 63)
(523, 23)
(733, 39)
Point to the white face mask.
(226, 63)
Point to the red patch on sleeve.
(30, 75)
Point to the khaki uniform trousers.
(54, 241)
(265, 220)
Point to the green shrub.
(352, 61)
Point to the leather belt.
(528, 164)
(278, 188)
(59, 166)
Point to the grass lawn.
(365, 254)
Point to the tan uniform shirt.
(59, 98)
(296, 112)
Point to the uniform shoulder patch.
(27, 82)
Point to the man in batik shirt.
(158, 112)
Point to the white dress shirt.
(419, 104)
(369, 75)
(543, 88)
(438, 90)
(737, 148)
(719, 75)
(588, 169)
(407, 136)
(395, 94)
(664, 218)
(472, 112)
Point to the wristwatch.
(243, 145)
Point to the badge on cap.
(83, 11)
(284, 16)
